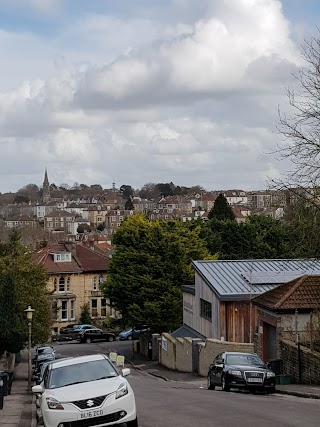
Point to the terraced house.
(75, 273)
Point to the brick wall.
(309, 363)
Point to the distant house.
(114, 219)
(20, 221)
(75, 223)
(96, 215)
(75, 273)
(235, 197)
(240, 213)
(58, 220)
(285, 310)
(163, 214)
(219, 304)
(203, 215)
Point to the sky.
(142, 91)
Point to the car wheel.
(88, 340)
(271, 390)
(110, 339)
(209, 383)
(224, 385)
(129, 337)
(133, 423)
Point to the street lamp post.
(29, 312)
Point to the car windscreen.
(92, 370)
(45, 350)
(243, 359)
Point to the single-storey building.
(219, 304)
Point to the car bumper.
(237, 382)
(111, 412)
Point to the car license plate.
(254, 380)
(91, 414)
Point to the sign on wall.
(164, 344)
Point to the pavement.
(19, 408)
(153, 368)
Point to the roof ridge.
(287, 294)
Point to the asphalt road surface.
(190, 404)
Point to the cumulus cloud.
(137, 100)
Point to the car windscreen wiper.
(76, 382)
(104, 378)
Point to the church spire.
(46, 189)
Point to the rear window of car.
(243, 359)
(92, 370)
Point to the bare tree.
(301, 129)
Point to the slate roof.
(301, 294)
(83, 259)
(186, 332)
(234, 280)
(44, 257)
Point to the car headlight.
(235, 373)
(270, 374)
(53, 403)
(122, 390)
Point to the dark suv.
(89, 335)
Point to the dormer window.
(62, 256)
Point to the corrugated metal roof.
(228, 278)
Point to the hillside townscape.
(159, 213)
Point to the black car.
(67, 329)
(95, 334)
(240, 370)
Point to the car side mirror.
(37, 389)
(125, 372)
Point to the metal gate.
(195, 355)
(271, 342)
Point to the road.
(190, 404)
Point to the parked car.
(240, 370)
(67, 329)
(41, 359)
(79, 328)
(131, 334)
(86, 391)
(39, 376)
(42, 350)
(89, 335)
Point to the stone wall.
(210, 349)
(309, 363)
(167, 353)
(184, 354)
(176, 354)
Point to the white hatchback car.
(86, 391)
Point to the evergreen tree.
(259, 237)
(221, 209)
(85, 317)
(152, 260)
(129, 205)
